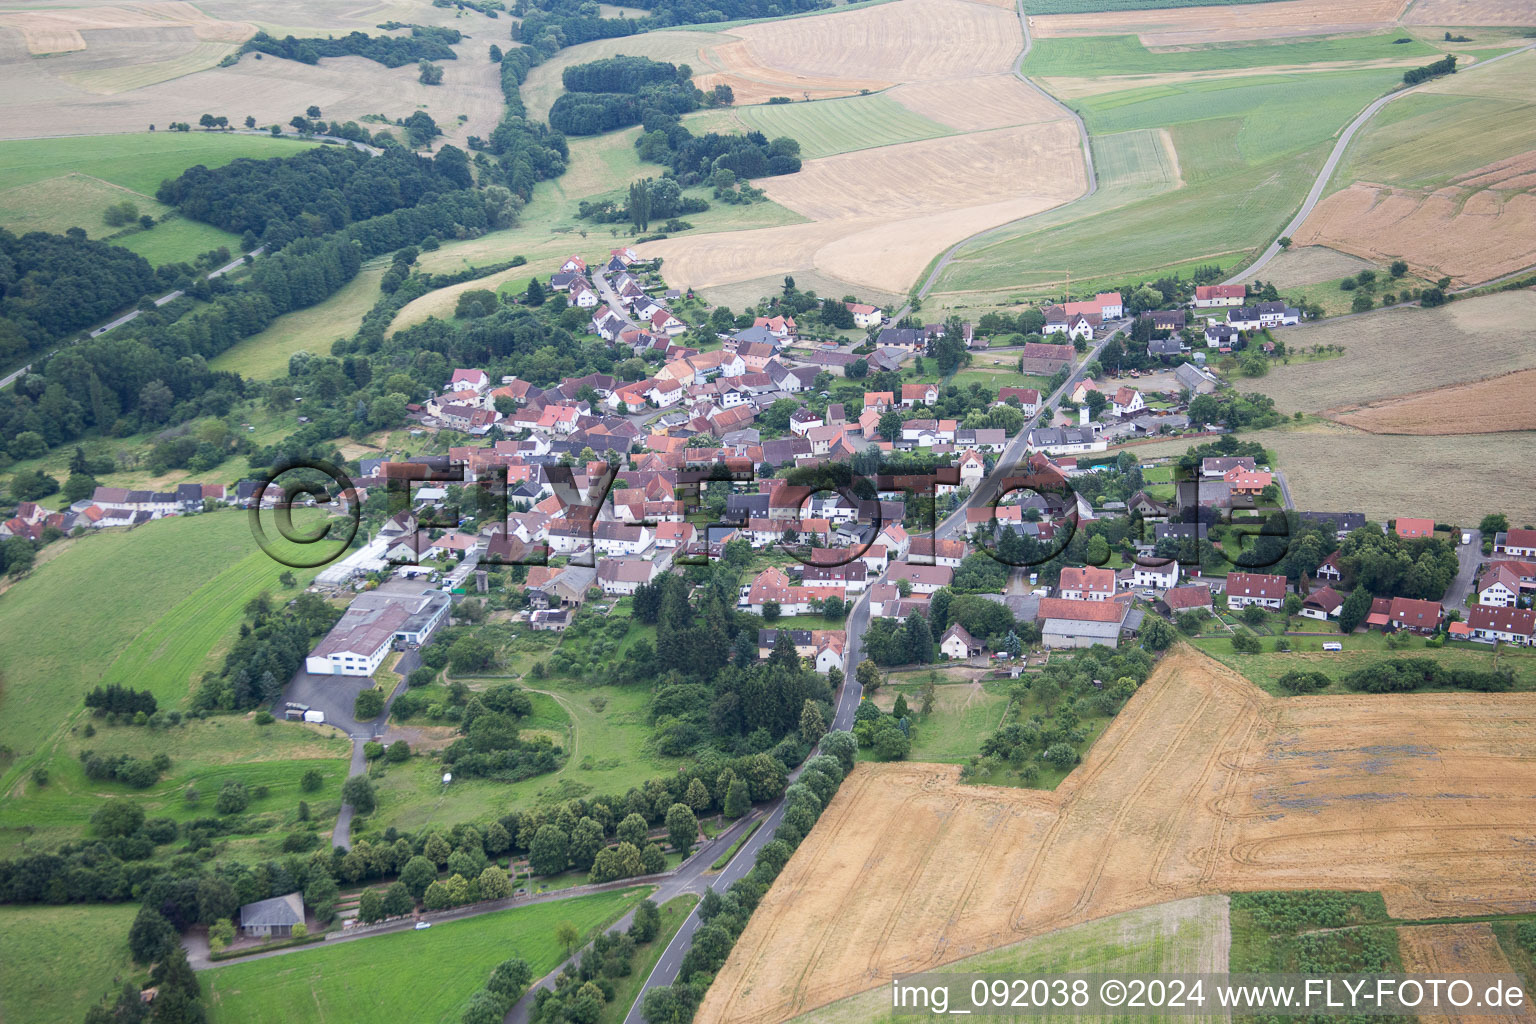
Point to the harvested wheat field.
(879, 216)
(1444, 950)
(271, 90)
(61, 29)
(1470, 12)
(1180, 26)
(1202, 784)
(1312, 264)
(1393, 352)
(1446, 477)
(976, 104)
(872, 48)
(1485, 407)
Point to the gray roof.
(1080, 627)
(275, 912)
(752, 334)
(1191, 377)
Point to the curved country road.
(1332, 162)
(1082, 132)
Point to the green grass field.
(610, 751)
(264, 356)
(1185, 936)
(963, 714)
(1360, 650)
(55, 184)
(61, 960)
(828, 127)
(134, 595)
(1248, 148)
(433, 972)
(1462, 124)
(1095, 56)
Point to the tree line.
(424, 43)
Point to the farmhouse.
(1028, 398)
(1208, 295)
(1068, 623)
(372, 624)
(1246, 588)
(918, 394)
(273, 918)
(1044, 360)
(1188, 598)
(1168, 320)
(958, 644)
(1512, 625)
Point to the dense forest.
(53, 285)
(616, 92)
(313, 193)
(424, 43)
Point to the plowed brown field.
(1477, 228)
(1178, 26)
(1484, 407)
(1202, 784)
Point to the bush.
(373, 750)
(368, 705)
(233, 798)
(263, 717)
(398, 751)
(311, 781)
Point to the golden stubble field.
(1482, 407)
(1202, 784)
(1394, 352)
(124, 67)
(1179, 26)
(878, 216)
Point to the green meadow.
(433, 972)
(71, 954)
(829, 127)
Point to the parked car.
(423, 925)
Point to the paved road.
(9, 378)
(1468, 557)
(1082, 132)
(1285, 490)
(1333, 161)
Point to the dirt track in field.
(1203, 784)
(1179, 26)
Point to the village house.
(1329, 569)
(918, 394)
(1323, 603)
(1511, 625)
(1343, 523)
(1414, 615)
(959, 645)
(1412, 529)
(1515, 543)
(272, 918)
(1498, 588)
(1246, 588)
(1220, 336)
(1277, 314)
(612, 538)
(1126, 402)
(1028, 398)
(864, 316)
(1195, 380)
(1160, 576)
(1170, 320)
(1219, 467)
(1065, 440)
(1086, 583)
(1209, 295)
(621, 576)
(925, 579)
